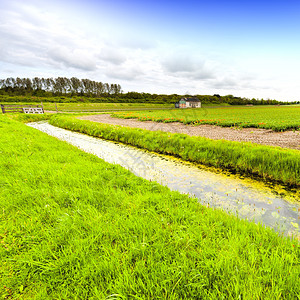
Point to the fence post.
(2, 108)
(56, 107)
(42, 107)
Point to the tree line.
(57, 86)
(62, 89)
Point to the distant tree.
(27, 84)
(107, 88)
(100, 89)
(36, 83)
(75, 85)
(18, 83)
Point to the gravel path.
(287, 139)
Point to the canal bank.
(249, 199)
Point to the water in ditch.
(249, 199)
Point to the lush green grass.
(75, 227)
(25, 118)
(95, 107)
(278, 118)
(267, 162)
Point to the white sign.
(33, 110)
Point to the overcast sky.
(245, 48)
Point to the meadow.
(277, 118)
(94, 107)
(75, 227)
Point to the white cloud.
(112, 55)
(129, 73)
(181, 64)
(133, 43)
(188, 66)
(34, 38)
(73, 58)
(224, 83)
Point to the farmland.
(73, 226)
(277, 118)
(94, 107)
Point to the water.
(249, 199)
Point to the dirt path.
(287, 139)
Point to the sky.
(242, 48)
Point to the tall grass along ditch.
(73, 226)
(272, 163)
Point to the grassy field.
(277, 118)
(267, 162)
(75, 227)
(95, 107)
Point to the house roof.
(191, 99)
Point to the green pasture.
(75, 227)
(94, 107)
(277, 118)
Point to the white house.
(191, 102)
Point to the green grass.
(95, 107)
(272, 163)
(25, 118)
(75, 227)
(279, 118)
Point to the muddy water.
(249, 199)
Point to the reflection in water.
(249, 199)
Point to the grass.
(75, 227)
(272, 163)
(95, 107)
(279, 118)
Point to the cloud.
(224, 83)
(179, 64)
(128, 73)
(112, 55)
(28, 33)
(187, 67)
(73, 58)
(36, 38)
(133, 43)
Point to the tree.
(37, 83)
(75, 85)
